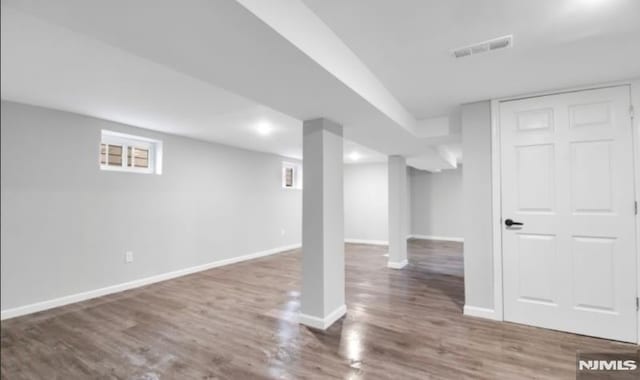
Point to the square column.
(398, 212)
(323, 284)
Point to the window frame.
(126, 141)
(297, 175)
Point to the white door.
(567, 176)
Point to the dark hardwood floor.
(240, 322)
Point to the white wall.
(435, 201)
(66, 225)
(366, 202)
(477, 204)
(437, 209)
(323, 265)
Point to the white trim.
(78, 297)
(119, 136)
(481, 312)
(496, 210)
(431, 237)
(497, 184)
(365, 241)
(157, 157)
(322, 323)
(558, 91)
(123, 169)
(635, 123)
(297, 175)
(127, 141)
(397, 264)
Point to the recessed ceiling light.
(354, 156)
(264, 128)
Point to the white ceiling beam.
(434, 160)
(440, 126)
(433, 127)
(447, 157)
(294, 21)
(227, 46)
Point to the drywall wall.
(408, 203)
(366, 203)
(399, 217)
(437, 210)
(323, 266)
(66, 224)
(477, 205)
(435, 201)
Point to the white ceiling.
(51, 66)
(219, 70)
(223, 44)
(557, 44)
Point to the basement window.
(291, 175)
(128, 153)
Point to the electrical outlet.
(282, 232)
(128, 257)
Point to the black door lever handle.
(510, 223)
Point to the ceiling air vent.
(484, 46)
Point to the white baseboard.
(78, 297)
(480, 312)
(364, 241)
(431, 237)
(397, 264)
(322, 323)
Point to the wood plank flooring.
(240, 322)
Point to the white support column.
(398, 209)
(323, 300)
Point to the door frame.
(496, 182)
